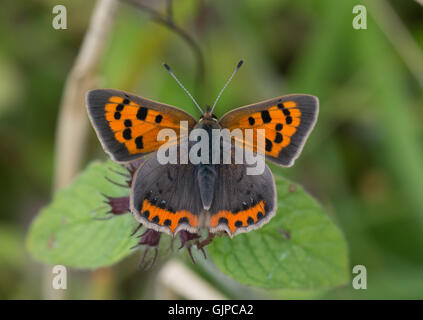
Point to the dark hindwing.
(241, 202)
(287, 122)
(166, 197)
(127, 125)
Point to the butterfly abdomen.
(206, 182)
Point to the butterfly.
(221, 197)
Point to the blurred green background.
(363, 161)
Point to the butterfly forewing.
(287, 122)
(128, 125)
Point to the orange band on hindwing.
(239, 219)
(166, 218)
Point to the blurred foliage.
(72, 230)
(362, 161)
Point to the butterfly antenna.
(230, 79)
(181, 85)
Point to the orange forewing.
(283, 120)
(128, 127)
(274, 122)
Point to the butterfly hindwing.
(287, 122)
(166, 197)
(241, 202)
(128, 125)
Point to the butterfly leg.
(133, 166)
(151, 239)
(136, 229)
(187, 239)
(201, 244)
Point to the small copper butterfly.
(173, 197)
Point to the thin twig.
(73, 121)
(167, 21)
(395, 30)
(169, 9)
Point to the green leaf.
(313, 256)
(67, 231)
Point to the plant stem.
(73, 121)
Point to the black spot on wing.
(279, 127)
(223, 220)
(142, 113)
(288, 120)
(278, 138)
(269, 145)
(127, 134)
(265, 116)
(159, 118)
(139, 143)
(183, 220)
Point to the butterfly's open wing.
(128, 125)
(241, 202)
(166, 197)
(287, 121)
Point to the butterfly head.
(208, 116)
